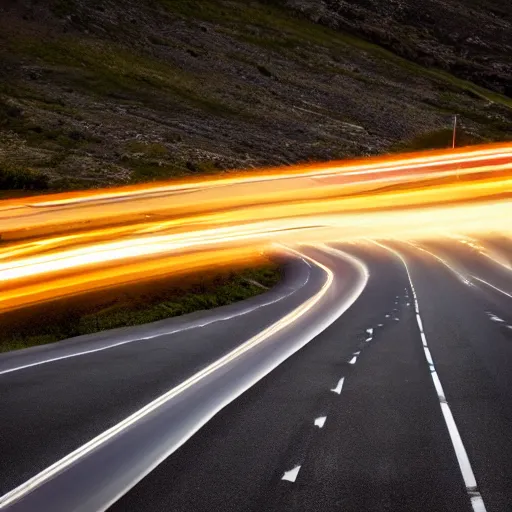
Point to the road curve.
(203, 362)
(402, 403)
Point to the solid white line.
(477, 503)
(460, 451)
(320, 422)
(437, 384)
(159, 335)
(104, 437)
(492, 286)
(420, 325)
(291, 475)
(339, 387)
(463, 278)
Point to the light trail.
(62, 245)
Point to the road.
(380, 389)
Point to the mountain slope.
(470, 38)
(101, 92)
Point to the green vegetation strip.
(144, 303)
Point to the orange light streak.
(75, 242)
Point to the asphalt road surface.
(339, 390)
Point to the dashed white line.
(370, 331)
(320, 422)
(339, 387)
(476, 500)
(291, 475)
(96, 443)
(368, 339)
(353, 360)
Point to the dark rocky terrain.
(100, 92)
(470, 38)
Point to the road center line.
(52, 472)
(320, 422)
(339, 387)
(291, 476)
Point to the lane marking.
(380, 325)
(462, 277)
(370, 331)
(159, 335)
(466, 470)
(291, 475)
(368, 339)
(492, 286)
(320, 422)
(72, 458)
(353, 360)
(339, 387)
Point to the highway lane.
(355, 421)
(67, 396)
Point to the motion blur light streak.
(84, 241)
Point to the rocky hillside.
(95, 92)
(470, 38)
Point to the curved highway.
(376, 376)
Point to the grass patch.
(149, 149)
(13, 177)
(437, 139)
(142, 304)
(104, 69)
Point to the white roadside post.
(454, 130)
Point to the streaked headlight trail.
(65, 244)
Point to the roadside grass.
(135, 305)
(441, 139)
(18, 178)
